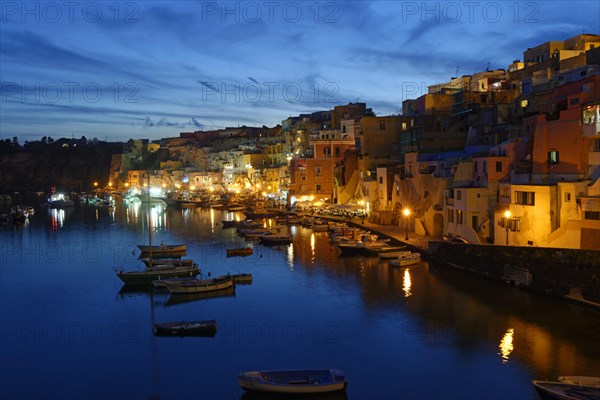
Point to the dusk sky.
(152, 69)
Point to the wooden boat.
(176, 262)
(186, 328)
(176, 299)
(294, 381)
(241, 278)
(163, 248)
(406, 260)
(241, 252)
(162, 283)
(230, 224)
(159, 272)
(392, 255)
(271, 239)
(565, 391)
(200, 286)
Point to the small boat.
(230, 223)
(159, 272)
(565, 391)
(392, 255)
(581, 380)
(270, 239)
(163, 248)
(176, 299)
(186, 328)
(162, 283)
(176, 262)
(294, 381)
(241, 252)
(199, 286)
(406, 260)
(241, 278)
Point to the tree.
(369, 112)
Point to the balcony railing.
(590, 130)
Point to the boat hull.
(200, 286)
(293, 382)
(149, 275)
(565, 391)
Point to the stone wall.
(573, 274)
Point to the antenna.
(457, 69)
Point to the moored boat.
(242, 278)
(241, 252)
(271, 239)
(186, 328)
(405, 260)
(200, 286)
(294, 381)
(163, 249)
(565, 391)
(176, 262)
(159, 272)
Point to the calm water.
(69, 330)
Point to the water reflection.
(57, 218)
(506, 345)
(406, 285)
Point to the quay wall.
(567, 273)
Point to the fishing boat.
(187, 298)
(186, 328)
(241, 252)
(294, 381)
(200, 286)
(565, 391)
(176, 262)
(272, 239)
(163, 249)
(241, 278)
(158, 272)
(406, 260)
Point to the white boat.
(581, 380)
(405, 260)
(294, 381)
(565, 391)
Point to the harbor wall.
(568, 273)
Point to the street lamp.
(406, 215)
(507, 215)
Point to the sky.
(151, 69)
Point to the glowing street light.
(406, 213)
(507, 215)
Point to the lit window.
(553, 157)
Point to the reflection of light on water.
(290, 257)
(312, 245)
(406, 284)
(97, 215)
(58, 218)
(506, 345)
(212, 220)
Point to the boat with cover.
(186, 328)
(200, 285)
(406, 260)
(306, 381)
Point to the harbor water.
(69, 328)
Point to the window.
(591, 215)
(596, 146)
(459, 216)
(404, 126)
(525, 198)
(317, 171)
(567, 196)
(318, 188)
(450, 214)
(337, 151)
(553, 157)
(474, 222)
(574, 101)
(484, 166)
(498, 166)
(476, 167)
(382, 126)
(458, 194)
(303, 178)
(381, 180)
